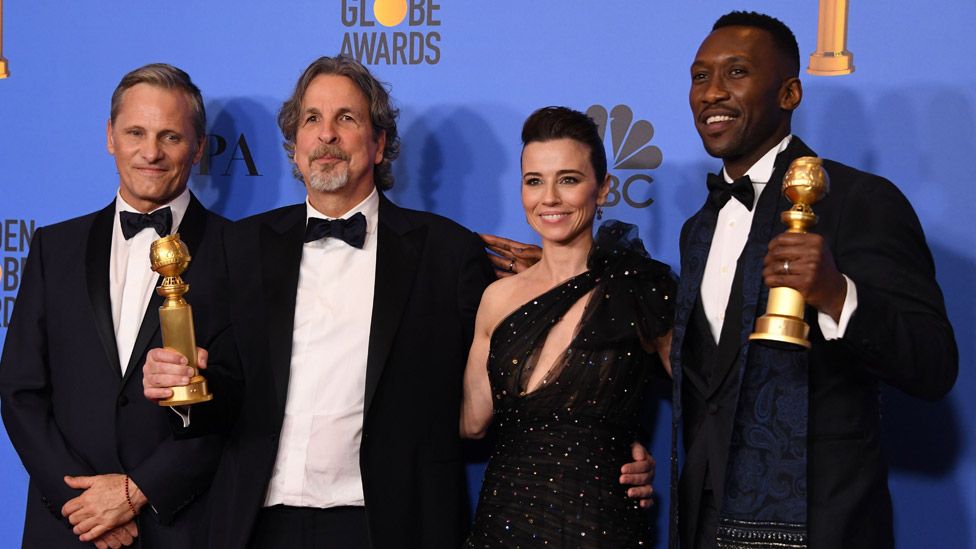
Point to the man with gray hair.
(339, 378)
(103, 465)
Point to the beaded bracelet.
(129, 499)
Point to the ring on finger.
(511, 266)
(786, 267)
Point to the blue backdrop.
(465, 75)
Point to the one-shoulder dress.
(552, 479)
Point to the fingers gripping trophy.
(805, 183)
(169, 257)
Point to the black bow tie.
(160, 220)
(719, 192)
(352, 231)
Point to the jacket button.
(712, 408)
(123, 400)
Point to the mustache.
(327, 150)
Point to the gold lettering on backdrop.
(832, 57)
(3, 62)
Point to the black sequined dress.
(552, 480)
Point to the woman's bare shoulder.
(503, 297)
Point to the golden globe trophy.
(170, 257)
(804, 184)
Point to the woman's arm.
(476, 404)
(663, 346)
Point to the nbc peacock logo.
(392, 32)
(631, 154)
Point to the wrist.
(134, 496)
(835, 304)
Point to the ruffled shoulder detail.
(616, 243)
(633, 290)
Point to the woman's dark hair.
(551, 123)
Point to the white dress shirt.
(728, 241)
(131, 278)
(318, 455)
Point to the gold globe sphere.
(806, 181)
(169, 256)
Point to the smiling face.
(335, 146)
(154, 145)
(560, 192)
(742, 95)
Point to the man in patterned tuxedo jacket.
(783, 446)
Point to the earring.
(599, 213)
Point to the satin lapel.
(694, 254)
(98, 253)
(398, 254)
(191, 233)
(281, 242)
(765, 225)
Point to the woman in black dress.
(562, 355)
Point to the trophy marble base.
(193, 393)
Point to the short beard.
(334, 177)
(331, 181)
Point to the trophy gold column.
(831, 57)
(804, 184)
(170, 257)
(4, 72)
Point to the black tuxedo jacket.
(66, 405)
(899, 334)
(430, 273)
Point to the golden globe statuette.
(804, 184)
(170, 257)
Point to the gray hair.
(382, 113)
